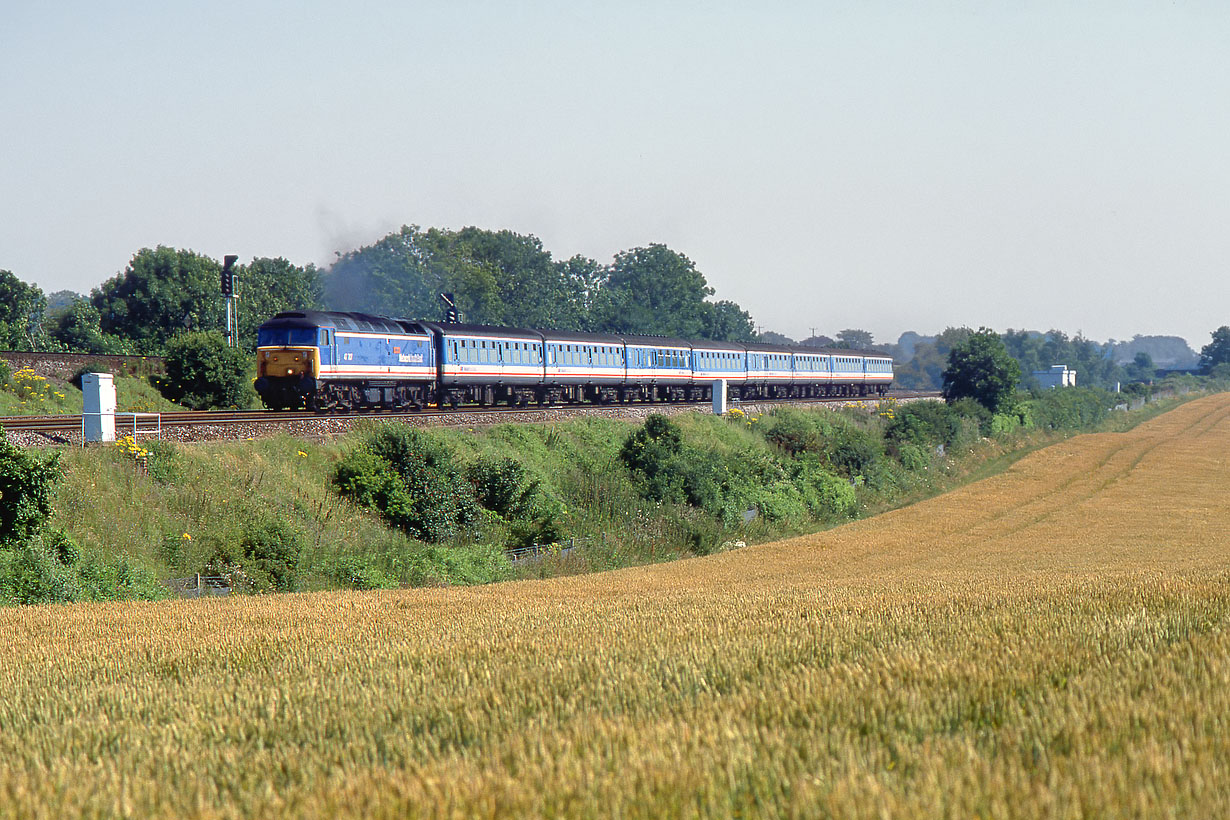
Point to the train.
(336, 361)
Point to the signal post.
(230, 289)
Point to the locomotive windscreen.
(280, 336)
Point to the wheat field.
(1050, 642)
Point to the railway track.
(175, 423)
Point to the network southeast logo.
(410, 358)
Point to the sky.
(826, 165)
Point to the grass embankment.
(27, 394)
(1052, 641)
(266, 512)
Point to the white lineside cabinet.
(98, 412)
(719, 397)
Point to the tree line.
(1094, 362)
(495, 277)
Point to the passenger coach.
(327, 360)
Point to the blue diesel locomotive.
(352, 361)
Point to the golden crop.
(1051, 642)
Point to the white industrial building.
(1058, 376)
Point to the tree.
(981, 368)
(269, 286)
(203, 372)
(925, 370)
(60, 299)
(532, 289)
(1217, 351)
(653, 290)
(818, 341)
(1093, 362)
(727, 322)
(21, 311)
(162, 292)
(78, 329)
(496, 277)
(856, 339)
(390, 276)
(772, 337)
(583, 278)
(1141, 369)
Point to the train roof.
(466, 329)
(342, 320)
(761, 347)
(574, 336)
(654, 341)
(709, 344)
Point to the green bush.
(369, 481)
(1004, 424)
(794, 432)
(118, 580)
(971, 410)
(503, 486)
(651, 452)
(27, 488)
(859, 454)
(355, 572)
(271, 550)
(781, 503)
(34, 575)
(60, 545)
(913, 457)
(828, 497)
(1071, 408)
(203, 372)
(924, 423)
(411, 480)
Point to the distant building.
(1058, 376)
